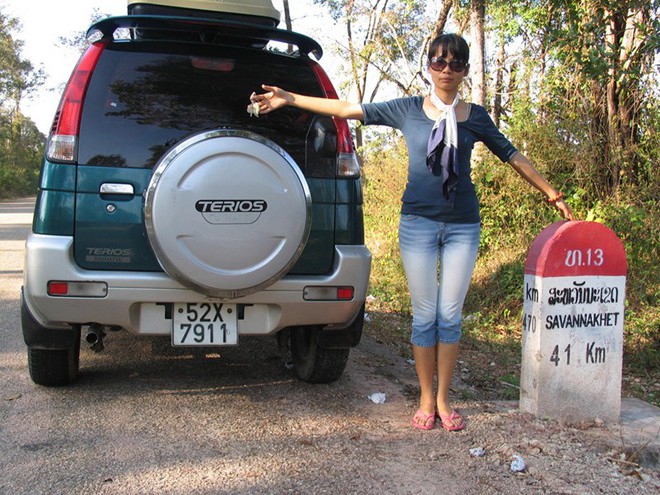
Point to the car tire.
(54, 367)
(312, 363)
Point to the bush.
(21, 147)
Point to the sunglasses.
(438, 64)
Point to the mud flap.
(38, 337)
(343, 338)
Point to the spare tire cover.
(227, 212)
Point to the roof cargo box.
(253, 11)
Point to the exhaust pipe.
(94, 338)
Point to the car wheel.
(54, 367)
(312, 363)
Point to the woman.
(440, 220)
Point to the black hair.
(450, 43)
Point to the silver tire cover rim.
(227, 212)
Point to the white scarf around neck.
(447, 112)
(442, 149)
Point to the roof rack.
(205, 27)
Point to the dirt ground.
(558, 458)
(136, 422)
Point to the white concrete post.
(572, 346)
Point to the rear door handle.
(110, 188)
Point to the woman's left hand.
(564, 209)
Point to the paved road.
(142, 421)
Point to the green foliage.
(384, 180)
(21, 147)
(18, 77)
(384, 40)
(513, 214)
(21, 143)
(635, 222)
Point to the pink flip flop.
(427, 423)
(448, 422)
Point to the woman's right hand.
(272, 99)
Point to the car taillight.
(347, 164)
(63, 137)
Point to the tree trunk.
(356, 79)
(442, 18)
(477, 68)
(499, 83)
(612, 38)
(287, 16)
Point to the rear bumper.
(135, 300)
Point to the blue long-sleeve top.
(423, 192)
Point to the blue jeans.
(437, 296)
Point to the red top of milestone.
(576, 248)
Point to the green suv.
(166, 208)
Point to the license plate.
(204, 324)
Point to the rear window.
(144, 97)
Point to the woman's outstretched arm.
(275, 98)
